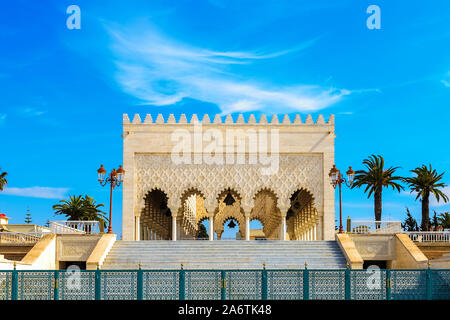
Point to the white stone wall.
(306, 155)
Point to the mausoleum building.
(180, 173)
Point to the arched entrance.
(155, 219)
(267, 212)
(190, 214)
(228, 209)
(302, 218)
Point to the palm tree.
(444, 220)
(81, 208)
(3, 180)
(73, 208)
(93, 212)
(375, 179)
(425, 183)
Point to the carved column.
(211, 227)
(247, 226)
(137, 231)
(283, 225)
(174, 228)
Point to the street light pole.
(338, 179)
(115, 179)
(341, 229)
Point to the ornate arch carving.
(155, 217)
(266, 210)
(200, 209)
(224, 212)
(295, 171)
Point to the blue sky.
(64, 91)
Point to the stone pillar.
(211, 227)
(320, 228)
(283, 226)
(174, 228)
(137, 229)
(247, 226)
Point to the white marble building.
(179, 173)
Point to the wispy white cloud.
(161, 71)
(32, 112)
(346, 112)
(433, 201)
(37, 192)
(446, 80)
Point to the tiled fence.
(225, 284)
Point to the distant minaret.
(28, 216)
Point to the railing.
(20, 237)
(429, 236)
(364, 227)
(77, 227)
(255, 284)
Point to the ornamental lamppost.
(115, 179)
(337, 179)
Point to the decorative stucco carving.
(295, 171)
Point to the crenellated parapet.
(206, 120)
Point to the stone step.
(235, 255)
(256, 264)
(237, 249)
(149, 245)
(206, 256)
(230, 252)
(225, 243)
(222, 267)
(267, 259)
(221, 242)
(193, 245)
